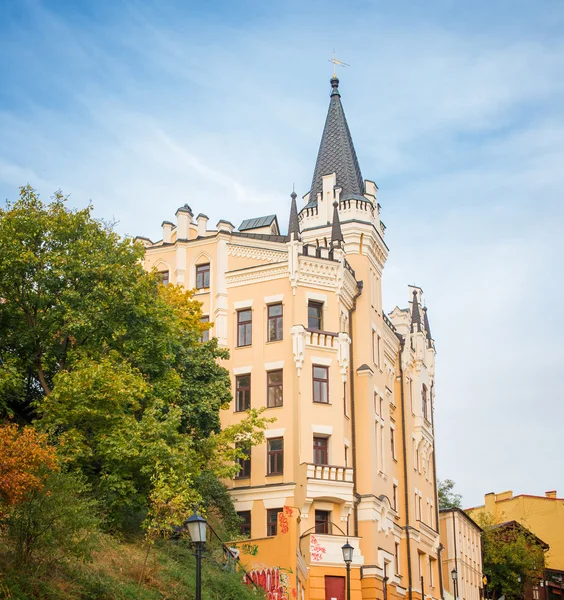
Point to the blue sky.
(456, 110)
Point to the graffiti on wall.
(316, 549)
(275, 583)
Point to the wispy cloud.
(455, 112)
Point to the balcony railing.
(323, 339)
(329, 472)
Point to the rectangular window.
(431, 574)
(320, 384)
(274, 381)
(275, 322)
(205, 337)
(346, 456)
(245, 516)
(395, 497)
(245, 465)
(393, 441)
(164, 277)
(397, 558)
(244, 327)
(272, 521)
(242, 392)
(376, 404)
(322, 521)
(203, 276)
(275, 456)
(424, 402)
(315, 315)
(320, 450)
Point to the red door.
(334, 588)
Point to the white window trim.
(242, 370)
(321, 361)
(274, 300)
(242, 304)
(274, 433)
(273, 366)
(322, 429)
(316, 297)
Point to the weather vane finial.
(336, 62)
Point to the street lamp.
(347, 557)
(454, 575)
(197, 527)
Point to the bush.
(53, 525)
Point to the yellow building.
(351, 453)
(462, 553)
(543, 515)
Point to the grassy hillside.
(114, 574)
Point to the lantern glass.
(347, 552)
(197, 527)
(454, 574)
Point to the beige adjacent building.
(350, 455)
(462, 553)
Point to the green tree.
(447, 497)
(107, 361)
(512, 557)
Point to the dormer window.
(203, 276)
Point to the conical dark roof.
(336, 152)
(415, 314)
(293, 224)
(427, 327)
(336, 233)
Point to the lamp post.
(454, 575)
(347, 557)
(197, 527)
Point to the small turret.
(336, 233)
(415, 314)
(293, 224)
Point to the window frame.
(278, 321)
(325, 524)
(274, 458)
(393, 442)
(202, 270)
(164, 277)
(242, 388)
(205, 337)
(319, 306)
(246, 525)
(323, 449)
(245, 326)
(272, 524)
(320, 381)
(245, 465)
(274, 386)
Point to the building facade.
(350, 455)
(462, 553)
(542, 515)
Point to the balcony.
(321, 339)
(326, 550)
(328, 472)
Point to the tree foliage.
(25, 461)
(107, 362)
(512, 557)
(447, 497)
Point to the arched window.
(424, 403)
(164, 277)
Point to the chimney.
(183, 218)
(489, 502)
(551, 494)
(167, 231)
(202, 221)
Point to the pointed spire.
(415, 314)
(336, 152)
(336, 233)
(293, 224)
(427, 328)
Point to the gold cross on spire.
(336, 62)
